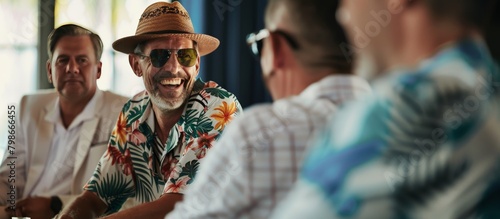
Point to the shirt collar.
(54, 115)
(347, 85)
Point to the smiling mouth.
(172, 82)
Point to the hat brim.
(206, 43)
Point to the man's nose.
(72, 66)
(172, 64)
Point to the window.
(111, 19)
(18, 55)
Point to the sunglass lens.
(187, 57)
(159, 57)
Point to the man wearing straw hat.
(163, 132)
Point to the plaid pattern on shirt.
(258, 157)
(427, 145)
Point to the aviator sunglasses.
(185, 57)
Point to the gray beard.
(165, 105)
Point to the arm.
(87, 205)
(41, 205)
(151, 210)
(67, 199)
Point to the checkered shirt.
(257, 159)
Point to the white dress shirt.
(57, 175)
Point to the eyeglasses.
(254, 40)
(185, 57)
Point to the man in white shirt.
(59, 135)
(257, 160)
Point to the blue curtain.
(232, 65)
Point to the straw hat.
(163, 19)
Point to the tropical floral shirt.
(426, 145)
(136, 163)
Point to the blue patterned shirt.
(425, 145)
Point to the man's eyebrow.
(62, 56)
(77, 56)
(83, 56)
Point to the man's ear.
(49, 71)
(279, 53)
(133, 60)
(99, 70)
(197, 65)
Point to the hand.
(10, 212)
(34, 207)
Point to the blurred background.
(25, 25)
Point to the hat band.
(163, 10)
(166, 32)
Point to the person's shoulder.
(262, 116)
(138, 102)
(141, 98)
(31, 104)
(246, 126)
(41, 97)
(46, 93)
(211, 96)
(306, 105)
(213, 91)
(291, 111)
(258, 109)
(449, 75)
(114, 96)
(114, 99)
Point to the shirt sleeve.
(204, 130)
(113, 180)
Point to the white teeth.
(171, 81)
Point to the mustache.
(71, 77)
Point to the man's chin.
(71, 94)
(169, 101)
(168, 104)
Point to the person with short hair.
(60, 134)
(427, 143)
(258, 158)
(163, 133)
